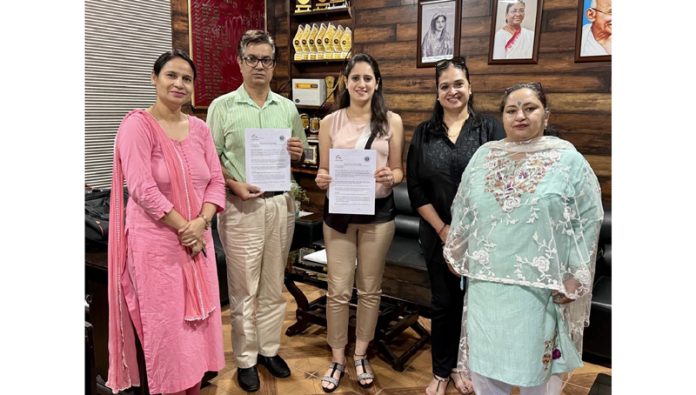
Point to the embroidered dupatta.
(123, 366)
(528, 214)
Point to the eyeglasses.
(253, 61)
(603, 12)
(444, 63)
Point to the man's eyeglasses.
(603, 12)
(253, 61)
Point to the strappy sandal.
(459, 374)
(331, 379)
(439, 380)
(366, 374)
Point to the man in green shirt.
(256, 227)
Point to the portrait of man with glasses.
(596, 35)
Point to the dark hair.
(378, 122)
(507, 9)
(255, 37)
(437, 124)
(434, 20)
(169, 55)
(540, 94)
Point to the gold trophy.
(328, 41)
(305, 122)
(303, 6)
(304, 42)
(314, 125)
(319, 42)
(311, 42)
(337, 42)
(321, 5)
(346, 43)
(296, 43)
(330, 80)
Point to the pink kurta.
(177, 352)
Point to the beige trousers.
(368, 243)
(256, 235)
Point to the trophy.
(296, 43)
(337, 42)
(321, 5)
(314, 125)
(330, 80)
(304, 42)
(303, 6)
(311, 42)
(305, 122)
(319, 42)
(327, 40)
(346, 43)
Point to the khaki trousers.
(368, 243)
(256, 235)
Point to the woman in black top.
(440, 150)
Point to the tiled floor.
(308, 356)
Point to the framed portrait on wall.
(438, 31)
(515, 31)
(593, 37)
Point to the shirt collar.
(243, 97)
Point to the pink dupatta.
(123, 366)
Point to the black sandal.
(366, 375)
(330, 378)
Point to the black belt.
(267, 195)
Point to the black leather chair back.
(406, 220)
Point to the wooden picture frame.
(587, 48)
(215, 27)
(522, 46)
(439, 32)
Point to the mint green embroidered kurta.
(525, 223)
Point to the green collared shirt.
(231, 113)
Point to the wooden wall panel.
(579, 94)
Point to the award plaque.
(328, 41)
(319, 42)
(346, 43)
(296, 43)
(321, 5)
(303, 6)
(337, 42)
(330, 81)
(311, 42)
(304, 42)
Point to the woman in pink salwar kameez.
(162, 272)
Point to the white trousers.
(256, 235)
(487, 386)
